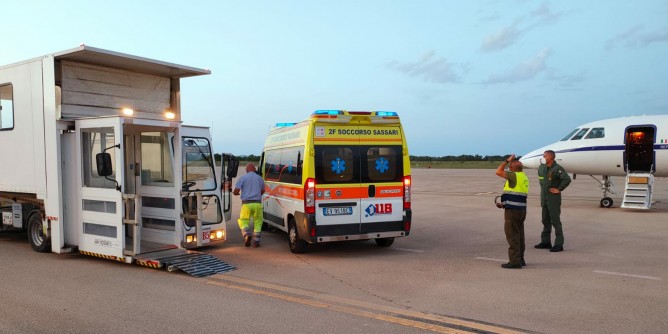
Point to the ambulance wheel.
(606, 202)
(297, 245)
(384, 242)
(38, 241)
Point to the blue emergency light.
(280, 125)
(328, 112)
(386, 113)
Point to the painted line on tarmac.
(490, 259)
(408, 250)
(626, 275)
(431, 322)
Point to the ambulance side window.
(290, 166)
(272, 165)
(383, 164)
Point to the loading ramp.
(195, 263)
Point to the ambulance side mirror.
(104, 167)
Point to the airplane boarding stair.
(638, 190)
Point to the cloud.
(545, 15)
(524, 71)
(431, 68)
(502, 39)
(567, 82)
(635, 37)
(507, 36)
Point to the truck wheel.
(384, 242)
(297, 245)
(38, 241)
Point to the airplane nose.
(532, 159)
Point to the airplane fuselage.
(611, 147)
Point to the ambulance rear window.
(358, 164)
(336, 165)
(383, 164)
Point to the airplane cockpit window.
(580, 134)
(569, 135)
(596, 133)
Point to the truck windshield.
(198, 171)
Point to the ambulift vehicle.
(92, 144)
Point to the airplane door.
(639, 148)
(99, 152)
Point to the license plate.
(337, 211)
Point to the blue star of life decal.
(382, 165)
(338, 166)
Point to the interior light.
(128, 111)
(170, 115)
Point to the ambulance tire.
(384, 242)
(38, 241)
(296, 244)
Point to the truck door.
(100, 166)
(229, 168)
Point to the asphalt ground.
(444, 277)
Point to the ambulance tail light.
(407, 192)
(309, 196)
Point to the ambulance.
(339, 175)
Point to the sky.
(465, 77)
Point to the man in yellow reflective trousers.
(251, 187)
(514, 202)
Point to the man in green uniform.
(514, 202)
(553, 180)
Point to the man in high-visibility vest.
(514, 202)
(251, 188)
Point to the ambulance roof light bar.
(344, 116)
(284, 124)
(328, 112)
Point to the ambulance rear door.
(338, 193)
(381, 177)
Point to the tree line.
(463, 157)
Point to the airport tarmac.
(444, 277)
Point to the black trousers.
(514, 228)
